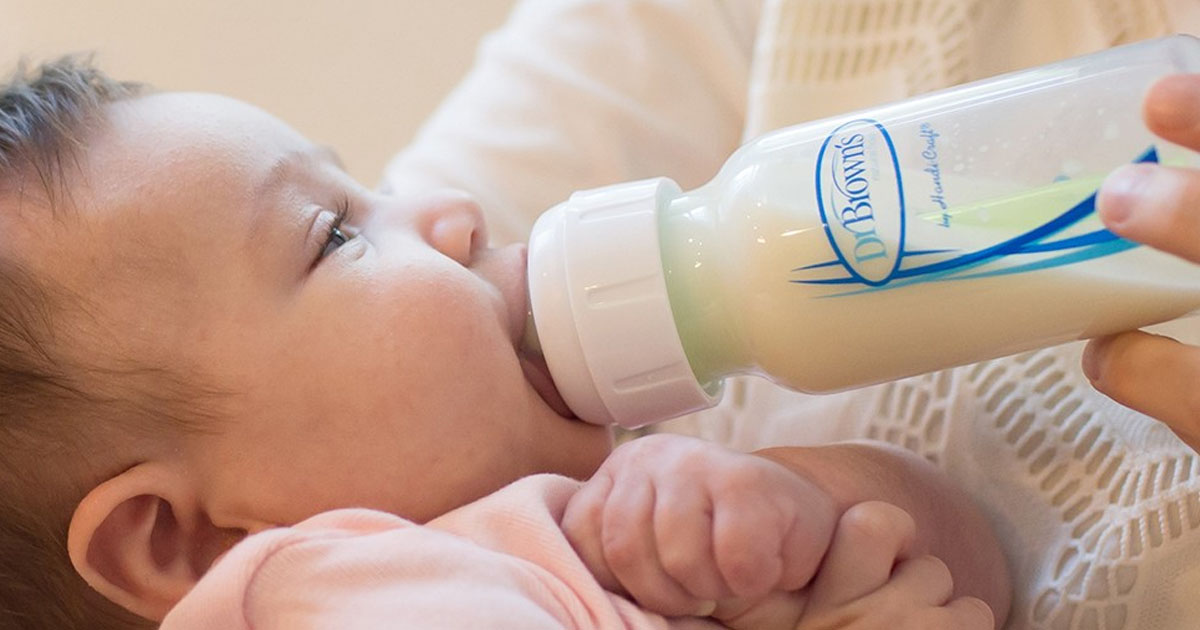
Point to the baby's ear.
(142, 539)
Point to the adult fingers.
(1155, 205)
(870, 538)
(1155, 375)
(1172, 109)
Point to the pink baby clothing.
(500, 562)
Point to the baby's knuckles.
(671, 454)
(584, 512)
(749, 533)
(622, 546)
(776, 538)
(753, 567)
(758, 507)
(681, 561)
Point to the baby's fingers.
(924, 580)
(683, 519)
(914, 598)
(964, 613)
(631, 552)
(1155, 375)
(581, 525)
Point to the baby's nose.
(458, 228)
(451, 221)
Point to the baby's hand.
(1160, 207)
(678, 524)
(869, 582)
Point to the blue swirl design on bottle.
(1073, 249)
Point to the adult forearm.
(949, 525)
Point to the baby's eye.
(337, 236)
(336, 239)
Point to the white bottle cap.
(600, 303)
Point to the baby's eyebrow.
(291, 162)
(285, 170)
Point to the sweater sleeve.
(364, 570)
(501, 562)
(573, 94)
(398, 577)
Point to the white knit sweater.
(1098, 507)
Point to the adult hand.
(1158, 206)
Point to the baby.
(208, 331)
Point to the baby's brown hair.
(48, 399)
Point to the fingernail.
(706, 609)
(1122, 191)
(1092, 354)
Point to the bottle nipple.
(530, 343)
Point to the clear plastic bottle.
(942, 230)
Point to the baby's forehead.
(155, 224)
(162, 143)
(164, 177)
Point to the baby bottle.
(946, 229)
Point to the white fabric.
(1099, 507)
(575, 94)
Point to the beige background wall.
(359, 75)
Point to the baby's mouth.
(529, 347)
(538, 375)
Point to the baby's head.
(208, 329)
